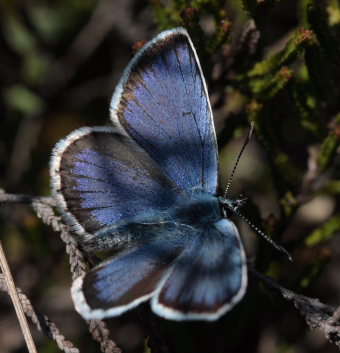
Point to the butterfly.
(145, 190)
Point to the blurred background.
(274, 62)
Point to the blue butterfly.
(146, 190)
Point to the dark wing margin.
(197, 278)
(162, 102)
(100, 177)
(124, 281)
(208, 278)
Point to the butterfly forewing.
(162, 102)
(101, 177)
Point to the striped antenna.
(259, 231)
(250, 131)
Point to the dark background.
(59, 64)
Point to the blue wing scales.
(190, 276)
(208, 278)
(101, 177)
(162, 102)
(124, 281)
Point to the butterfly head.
(231, 206)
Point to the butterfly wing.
(101, 177)
(163, 104)
(208, 278)
(189, 276)
(124, 281)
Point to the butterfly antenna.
(259, 231)
(250, 131)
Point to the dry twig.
(314, 312)
(42, 322)
(43, 208)
(11, 290)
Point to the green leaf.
(326, 231)
(18, 37)
(267, 87)
(328, 40)
(305, 107)
(23, 100)
(302, 38)
(329, 147)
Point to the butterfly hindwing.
(101, 177)
(124, 281)
(162, 103)
(190, 276)
(208, 278)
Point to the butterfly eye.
(226, 210)
(230, 205)
(227, 213)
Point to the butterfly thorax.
(198, 211)
(187, 217)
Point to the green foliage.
(332, 188)
(326, 231)
(21, 99)
(329, 146)
(304, 107)
(292, 50)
